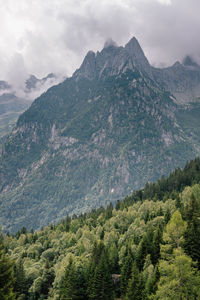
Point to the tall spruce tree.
(100, 285)
(20, 286)
(192, 233)
(68, 287)
(126, 270)
(135, 288)
(6, 276)
(143, 250)
(157, 240)
(152, 282)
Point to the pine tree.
(68, 287)
(157, 240)
(152, 282)
(101, 287)
(113, 258)
(126, 270)
(6, 276)
(100, 281)
(135, 288)
(167, 216)
(20, 286)
(143, 250)
(192, 233)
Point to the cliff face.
(92, 139)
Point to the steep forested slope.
(147, 247)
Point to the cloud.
(40, 37)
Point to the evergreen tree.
(20, 286)
(113, 259)
(167, 216)
(68, 287)
(101, 287)
(143, 250)
(126, 270)
(152, 282)
(6, 276)
(157, 240)
(192, 233)
(135, 288)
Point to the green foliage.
(100, 282)
(126, 270)
(135, 288)
(192, 233)
(70, 285)
(173, 235)
(157, 240)
(6, 276)
(20, 286)
(110, 252)
(178, 279)
(152, 281)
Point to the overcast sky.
(43, 36)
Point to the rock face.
(112, 60)
(94, 138)
(183, 80)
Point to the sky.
(44, 36)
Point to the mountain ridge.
(92, 139)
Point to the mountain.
(33, 82)
(10, 108)
(107, 130)
(182, 80)
(12, 105)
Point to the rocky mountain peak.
(133, 47)
(137, 56)
(113, 60)
(87, 68)
(188, 61)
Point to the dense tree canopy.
(144, 249)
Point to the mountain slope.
(138, 231)
(90, 140)
(12, 105)
(182, 80)
(10, 108)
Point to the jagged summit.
(88, 68)
(114, 59)
(136, 53)
(133, 46)
(177, 64)
(188, 61)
